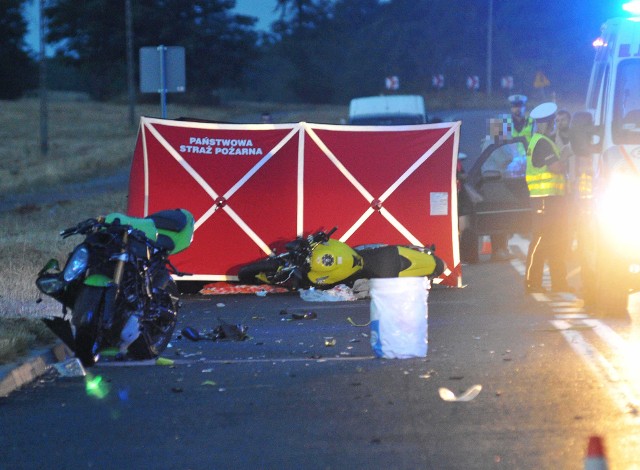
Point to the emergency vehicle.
(387, 110)
(612, 137)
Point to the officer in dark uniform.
(547, 185)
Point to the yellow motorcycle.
(321, 261)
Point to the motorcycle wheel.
(248, 273)
(155, 334)
(87, 312)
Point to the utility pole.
(130, 74)
(489, 46)
(44, 133)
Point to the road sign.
(473, 82)
(438, 81)
(541, 81)
(506, 82)
(162, 70)
(392, 83)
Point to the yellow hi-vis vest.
(585, 186)
(526, 131)
(541, 181)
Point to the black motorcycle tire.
(87, 313)
(155, 335)
(248, 273)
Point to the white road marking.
(619, 390)
(619, 375)
(575, 310)
(540, 297)
(571, 316)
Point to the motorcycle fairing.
(396, 261)
(420, 264)
(98, 280)
(144, 225)
(86, 313)
(62, 329)
(332, 262)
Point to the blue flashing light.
(632, 7)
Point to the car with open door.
(493, 197)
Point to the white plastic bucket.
(399, 316)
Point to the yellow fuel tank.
(332, 262)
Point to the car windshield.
(396, 120)
(626, 105)
(509, 160)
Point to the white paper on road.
(470, 394)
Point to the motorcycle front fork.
(121, 260)
(131, 329)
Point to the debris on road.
(468, 395)
(70, 368)
(304, 316)
(218, 288)
(224, 331)
(338, 293)
(163, 361)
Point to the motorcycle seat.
(172, 220)
(177, 225)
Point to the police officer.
(521, 125)
(547, 185)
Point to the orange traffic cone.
(595, 459)
(486, 245)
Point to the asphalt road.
(552, 375)
(287, 398)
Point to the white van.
(613, 135)
(387, 110)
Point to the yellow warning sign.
(541, 81)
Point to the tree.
(299, 15)
(555, 39)
(91, 35)
(346, 48)
(18, 71)
(302, 29)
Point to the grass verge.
(28, 239)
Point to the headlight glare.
(77, 263)
(615, 212)
(50, 284)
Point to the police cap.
(517, 100)
(544, 112)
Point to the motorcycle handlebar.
(322, 236)
(89, 225)
(82, 228)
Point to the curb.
(26, 370)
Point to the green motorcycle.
(117, 283)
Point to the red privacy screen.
(253, 187)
